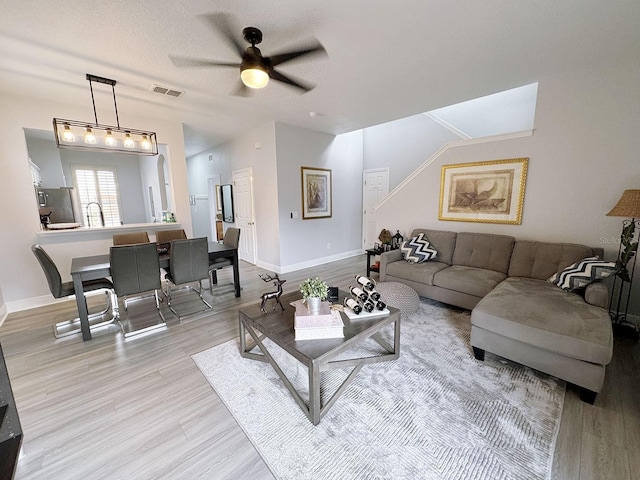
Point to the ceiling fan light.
(254, 77)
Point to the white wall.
(583, 154)
(257, 149)
(200, 170)
(403, 145)
(303, 242)
(20, 275)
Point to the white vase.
(313, 303)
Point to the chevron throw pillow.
(582, 273)
(417, 250)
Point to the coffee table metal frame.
(316, 355)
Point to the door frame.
(364, 198)
(252, 221)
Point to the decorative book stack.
(326, 324)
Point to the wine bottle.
(373, 295)
(353, 305)
(381, 305)
(365, 282)
(368, 305)
(358, 293)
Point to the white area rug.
(436, 413)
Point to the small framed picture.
(376, 247)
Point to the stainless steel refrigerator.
(58, 205)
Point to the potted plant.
(313, 292)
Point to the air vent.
(166, 91)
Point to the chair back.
(166, 236)
(133, 238)
(50, 270)
(232, 237)
(135, 268)
(189, 260)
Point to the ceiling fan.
(255, 69)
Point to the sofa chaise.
(516, 312)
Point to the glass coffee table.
(316, 355)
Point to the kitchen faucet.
(89, 216)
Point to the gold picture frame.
(485, 192)
(316, 193)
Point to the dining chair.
(166, 236)
(135, 270)
(188, 263)
(60, 289)
(133, 238)
(231, 239)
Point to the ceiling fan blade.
(223, 22)
(289, 81)
(285, 57)
(199, 62)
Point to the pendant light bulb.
(145, 143)
(89, 137)
(67, 135)
(109, 140)
(128, 141)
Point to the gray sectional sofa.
(515, 312)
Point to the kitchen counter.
(102, 232)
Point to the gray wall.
(583, 154)
(303, 241)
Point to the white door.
(375, 187)
(245, 221)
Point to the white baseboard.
(311, 263)
(41, 301)
(3, 313)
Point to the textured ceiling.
(386, 60)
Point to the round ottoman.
(400, 296)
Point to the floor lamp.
(628, 206)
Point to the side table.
(372, 252)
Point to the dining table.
(98, 266)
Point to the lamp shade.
(627, 206)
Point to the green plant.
(314, 287)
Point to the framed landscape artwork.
(487, 192)
(316, 193)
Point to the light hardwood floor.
(140, 409)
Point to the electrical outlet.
(328, 246)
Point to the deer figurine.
(266, 296)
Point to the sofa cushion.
(469, 280)
(540, 314)
(483, 250)
(444, 242)
(583, 273)
(417, 250)
(541, 260)
(415, 272)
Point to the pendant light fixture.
(93, 136)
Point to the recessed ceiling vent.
(167, 91)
